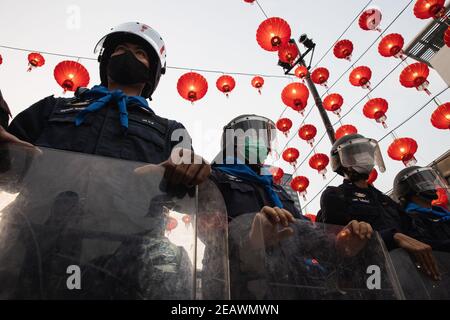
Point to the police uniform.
(51, 123)
(347, 202)
(243, 196)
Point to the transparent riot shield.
(306, 261)
(417, 285)
(77, 226)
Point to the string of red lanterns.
(300, 184)
(71, 75)
(295, 95)
(403, 149)
(392, 46)
(333, 103)
(308, 132)
(343, 49)
(345, 130)
(319, 162)
(370, 20)
(320, 76)
(415, 76)
(273, 33)
(376, 109)
(360, 77)
(226, 84)
(426, 9)
(35, 60)
(440, 118)
(258, 83)
(284, 125)
(192, 86)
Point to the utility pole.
(310, 45)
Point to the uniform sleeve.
(332, 207)
(179, 137)
(28, 124)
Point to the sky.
(221, 35)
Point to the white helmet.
(142, 33)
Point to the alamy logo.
(74, 280)
(374, 280)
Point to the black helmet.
(355, 150)
(416, 180)
(140, 34)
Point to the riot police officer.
(114, 119)
(415, 188)
(354, 157)
(261, 215)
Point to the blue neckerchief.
(240, 170)
(103, 96)
(434, 212)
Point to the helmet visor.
(424, 179)
(361, 152)
(252, 136)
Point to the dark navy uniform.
(430, 230)
(243, 196)
(347, 202)
(51, 123)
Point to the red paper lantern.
(301, 72)
(442, 200)
(320, 76)
(311, 217)
(345, 130)
(372, 176)
(360, 77)
(226, 84)
(376, 109)
(249, 1)
(308, 132)
(447, 37)
(343, 49)
(1, 59)
(392, 46)
(300, 184)
(415, 76)
(441, 117)
(277, 174)
(272, 33)
(319, 162)
(171, 224)
(370, 20)
(333, 103)
(71, 75)
(258, 82)
(288, 53)
(425, 9)
(35, 60)
(291, 155)
(284, 125)
(403, 149)
(192, 86)
(295, 95)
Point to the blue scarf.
(240, 170)
(434, 212)
(103, 97)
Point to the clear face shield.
(361, 155)
(425, 181)
(250, 139)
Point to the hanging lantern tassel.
(382, 120)
(303, 194)
(323, 173)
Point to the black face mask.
(127, 69)
(429, 195)
(354, 176)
